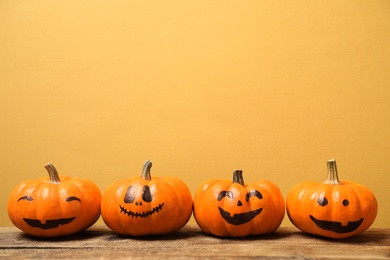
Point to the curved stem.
(53, 174)
(333, 176)
(146, 170)
(237, 177)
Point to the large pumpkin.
(54, 206)
(228, 208)
(144, 205)
(331, 209)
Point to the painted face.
(335, 226)
(239, 218)
(49, 223)
(138, 201)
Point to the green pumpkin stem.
(53, 174)
(237, 177)
(333, 176)
(146, 171)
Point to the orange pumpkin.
(234, 209)
(141, 206)
(331, 209)
(54, 206)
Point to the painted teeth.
(143, 214)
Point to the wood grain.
(191, 242)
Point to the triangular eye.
(253, 193)
(130, 195)
(146, 194)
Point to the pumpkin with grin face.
(331, 209)
(54, 206)
(142, 206)
(234, 209)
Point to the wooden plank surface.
(191, 242)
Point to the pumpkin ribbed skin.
(47, 208)
(332, 209)
(234, 215)
(167, 208)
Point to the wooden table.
(191, 242)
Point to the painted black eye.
(130, 195)
(146, 194)
(322, 201)
(345, 202)
(223, 194)
(28, 198)
(253, 193)
(72, 198)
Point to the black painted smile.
(143, 214)
(336, 226)
(241, 218)
(51, 223)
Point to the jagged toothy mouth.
(337, 226)
(51, 223)
(141, 214)
(238, 219)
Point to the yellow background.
(201, 88)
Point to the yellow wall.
(201, 88)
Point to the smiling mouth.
(337, 226)
(51, 223)
(241, 218)
(144, 214)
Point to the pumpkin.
(331, 209)
(228, 208)
(141, 206)
(54, 206)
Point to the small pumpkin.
(331, 209)
(54, 206)
(143, 205)
(228, 208)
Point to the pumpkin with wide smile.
(54, 206)
(334, 209)
(234, 209)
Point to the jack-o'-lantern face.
(238, 201)
(137, 202)
(341, 226)
(235, 209)
(72, 210)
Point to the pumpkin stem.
(333, 176)
(146, 170)
(237, 177)
(53, 174)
